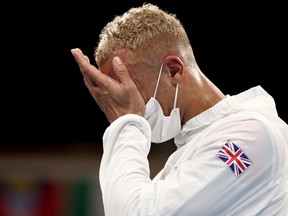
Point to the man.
(232, 151)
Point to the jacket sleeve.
(124, 168)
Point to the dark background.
(43, 98)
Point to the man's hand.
(115, 98)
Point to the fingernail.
(117, 60)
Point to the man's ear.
(176, 68)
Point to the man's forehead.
(107, 68)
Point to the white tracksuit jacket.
(231, 160)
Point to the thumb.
(121, 71)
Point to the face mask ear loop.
(176, 95)
(158, 79)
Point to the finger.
(90, 82)
(87, 58)
(80, 58)
(121, 71)
(93, 89)
(91, 72)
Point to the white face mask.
(163, 127)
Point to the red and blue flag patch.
(234, 157)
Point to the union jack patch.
(234, 157)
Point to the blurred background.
(51, 129)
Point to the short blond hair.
(147, 33)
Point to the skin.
(120, 88)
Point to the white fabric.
(194, 180)
(163, 127)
